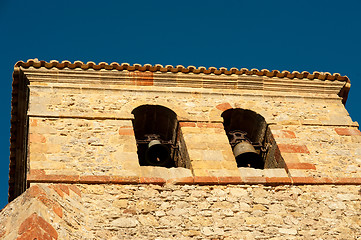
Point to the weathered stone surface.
(124, 222)
(146, 212)
(288, 231)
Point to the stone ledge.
(279, 180)
(152, 180)
(197, 180)
(205, 180)
(229, 180)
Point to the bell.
(246, 155)
(157, 154)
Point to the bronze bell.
(244, 152)
(157, 154)
(246, 155)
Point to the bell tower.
(119, 151)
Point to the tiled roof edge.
(179, 68)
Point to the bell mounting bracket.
(238, 136)
(151, 137)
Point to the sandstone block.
(206, 165)
(120, 203)
(275, 172)
(212, 155)
(124, 222)
(288, 231)
(290, 148)
(148, 220)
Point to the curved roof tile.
(179, 68)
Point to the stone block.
(278, 180)
(195, 154)
(283, 134)
(254, 220)
(206, 165)
(290, 157)
(229, 165)
(315, 122)
(120, 203)
(152, 180)
(224, 106)
(129, 165)
(155, 172)
(228, 154)
(53, 148)
(251, 172)
(223, 172)
(56, 171)
(37, 157)
(292, 148)
(34, 226)
(126, 131)
(212, 155)
(200, 172)
(356, 139)
(179, 172)
(300, 166)
(297, 173)
(124, 222)
(275, 172)
(210, 125)
(348, 131)
(236, 179)
(125, 177)
(288, 231)
(91, 179)
(148, 220)
(38, 148)
(205, 179)
(47, 165)
(37, 138)
(130, 146)
(187, 124)
(126, 157)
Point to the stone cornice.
(232, 82)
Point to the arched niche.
(155, 129)
(246, 120)
(251, 139)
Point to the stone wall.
(223, 212)
(87, 130)
(185, 212)
(90, 147)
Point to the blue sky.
(284, 35)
